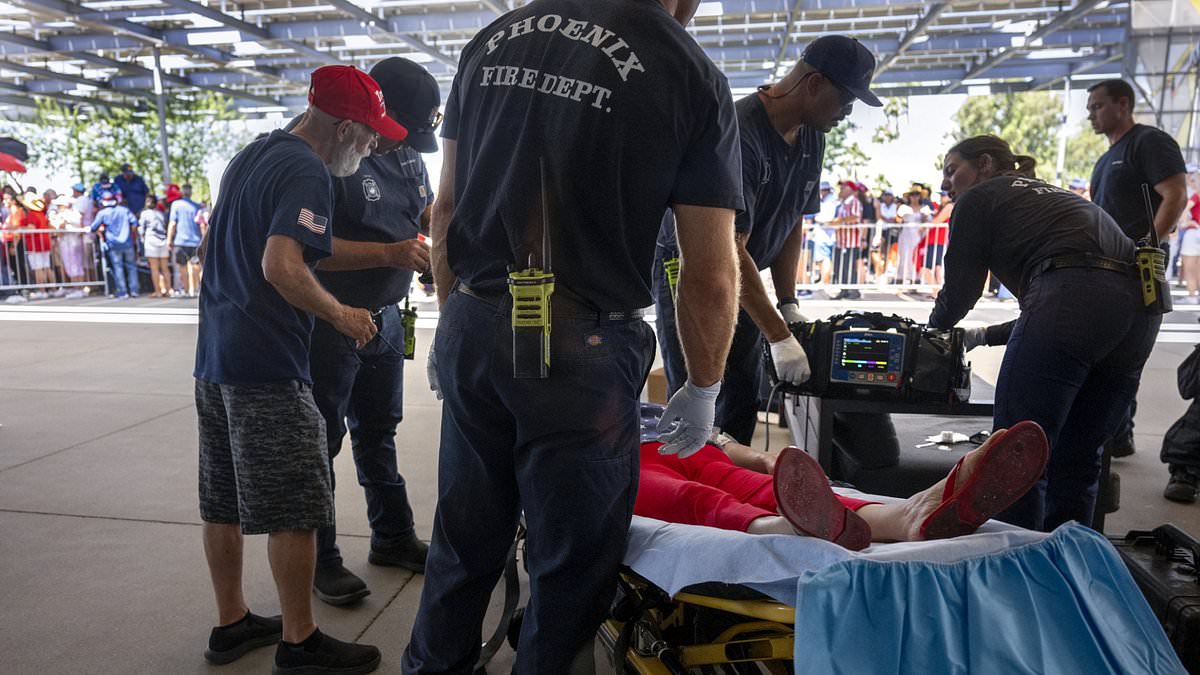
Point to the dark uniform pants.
(563, 450)
(364, 388)
(739, 401)
(1072, 364)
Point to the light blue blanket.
(1003, 600)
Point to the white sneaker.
(77, 293)
(39, 295)
(58, 293)
(15, 300)
(1190, 300)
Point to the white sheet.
(673, 556)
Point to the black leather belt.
(1084, 260)
(563, 305)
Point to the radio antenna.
(545, 217)
(1149, 214)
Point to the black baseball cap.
(846, 62)
(412, 94)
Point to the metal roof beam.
(1060, 21)
(911, 36)
(249, 28)
(1083, 69)
(370, 21)
(66, 98)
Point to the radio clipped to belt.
(531, 289)
(408, 319)
(671, 269)
(1151, 264)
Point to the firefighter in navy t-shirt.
(377, 215)
(572, 125)
(1137, 155)
(782, 130)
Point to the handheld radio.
(1151, 265)
(671, 269)
(531, 289)
(408, 319)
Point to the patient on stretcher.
(739, 488)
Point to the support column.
(160, 100)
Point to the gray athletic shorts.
(263, 460)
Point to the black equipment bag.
(1163, 562)
(935, 368)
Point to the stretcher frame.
(713, 629)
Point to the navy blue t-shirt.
(779, 181)
(629, 116)
(1143, 155)
(383, 203)
(248, 333)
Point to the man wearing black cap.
(782, 131)
(378, 212)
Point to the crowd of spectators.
(136, 233)
(859, 238)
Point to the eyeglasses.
(375, 316)
(434, 121)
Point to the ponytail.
(1003, 159)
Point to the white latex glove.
(791, 313)
(431, 373)
(975, 337)
(791, 363)
(687, 422)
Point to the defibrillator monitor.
(867, 357)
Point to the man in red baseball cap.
(263, 462)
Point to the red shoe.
(805, 499)
(1012, 462)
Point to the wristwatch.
(720, 438)
(786, 301)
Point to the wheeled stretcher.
(1004, 600)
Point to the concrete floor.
(101, 568)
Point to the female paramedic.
(1075, 355)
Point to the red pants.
(706, 489)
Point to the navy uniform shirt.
(383, 203)
(779, 181)
(248, 333)
(1010, 225)
(1143, 155)
(629, 116)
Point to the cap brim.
(866, 96)
(389, 128)
(423, 141)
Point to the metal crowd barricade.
(37, 260)
(904, 256)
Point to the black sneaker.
(228, 643)
(1121, 447)
(1182, 487)
(338, 586)
(410, 555)
(321, 654)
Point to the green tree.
(843, 157)
(1083, 149)
(86, 141)
(1028, 120)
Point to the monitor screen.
(865, 354)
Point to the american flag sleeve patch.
(314, 223)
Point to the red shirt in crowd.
(37, 243)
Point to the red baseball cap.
(348, 93)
